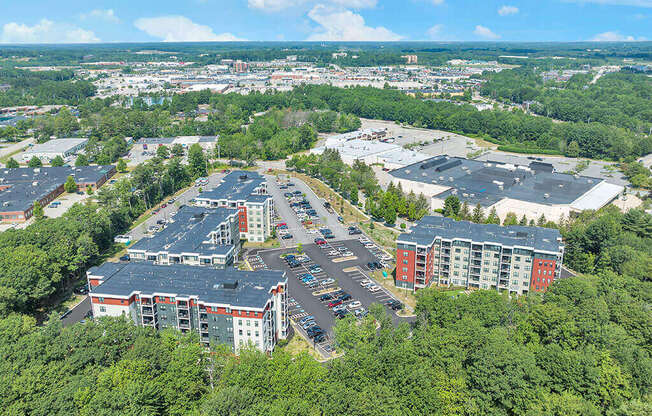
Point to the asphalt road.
(77, 313)
(165, 213)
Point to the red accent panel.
(411, 257)
(242, 217)
(543, 274)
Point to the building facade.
(446, 252)
(246, 192)
(231, 307)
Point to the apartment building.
(20, 187)
(445, 252)
(231, 307)
(194, 236)
(246, 192)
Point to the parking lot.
(335, 266)
(302, 233)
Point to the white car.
(327, 281)
(333, 253)
(365, 283)
(355, 304)
(373, 288)
(122, 239)
(347, 253)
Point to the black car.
(125, 257)
(345, 297)
(82, 290)
(297, 192)
(341, 314)
(326, 297)
(320, 338)
(377, 265)
(314, 330)
(286, 236)
(293, 264)
(329, 236)
(371, 266)
(355, 231)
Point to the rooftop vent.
(230, 284)
(407, 171)
(546, 195)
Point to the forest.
(42, 87)
(618, 99)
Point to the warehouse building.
(445, 252)
(20, 187)
(231, 307)
(532, 190)
(246, 192)
(194, 236)
(65, 148)
(151, 143)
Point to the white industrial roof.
(599, 196)
(56, 146)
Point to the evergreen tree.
(465, 212)
(390, 215)
(510, 219)
(478, 215)
(162, 152)
(177, 150)
(451, 206)
(541, 222)
(12, 164)
(38, 210)
(493, 217)
(196, 161)
(70, 186)
(82, 160)
(523, 221)
(35, 162)
(122, 166)
(57, 161)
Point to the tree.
(493, 218)
(70, 186)
(510, 219)
(541, 221)
(177, 150)
(573, 149)
(390, 215)
(38, 210)
(35, 162)
(196, 161)
(81, 160)
(523, 221)
(121, 166)
(162, 152)
(89, 190)
(57, 161)
(465, 212)
(478, 215)
(12, 164)
(451, 206)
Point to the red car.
(334, 303)
(164, 205)
(280, 224)
(320, 241)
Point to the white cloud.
(45, 31)
(180, 29)
(614, 37)
(273, 5)
(435, 31)
(437, 2)
(485, 32)
(102, 14)
(507, 10)
(277, 5)
(344, 25)
(637, 3)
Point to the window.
(405, 262)
(102, 308)
(101, 300)
(240, 322)
(239, 331)
(405, 254)
(405, 269)
(256, 324)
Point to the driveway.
(77, 313)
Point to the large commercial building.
(194, 236)
(20, 187)
(53, 148)
(246, 192)
(151, 143)
(532, 190)
(231, 307)
(446, 252)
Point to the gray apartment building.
(223, 306)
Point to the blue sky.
(78, 21)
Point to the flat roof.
(188, 231)
(430, 227)
(27, 185)
(178, 280)
(239, 185)
(180, 139)
(489, 182)
(56, 146)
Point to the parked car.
(373, 288)
(359, 313)
(306, 319)
(286, 236)
(355, 304)
(345, 297)
(320, 338)
(355, 231)
(334, 303)
(325, 297)
(125, 257)
(327, 281)
(320, 241)
(122, 239)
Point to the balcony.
(203, 317)
(506, 259)
(204, 327)
(182, 304)
(183, 314)
(147, 310)
(184, 324)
